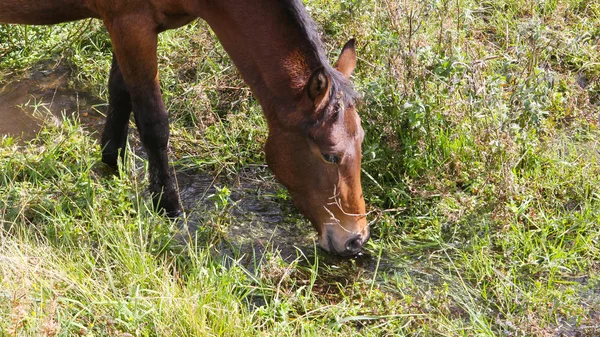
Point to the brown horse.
(315, 136)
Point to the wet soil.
(42, 95)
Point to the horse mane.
(298, 15)
(308, 28)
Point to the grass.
(482, 133)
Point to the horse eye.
(331, 158)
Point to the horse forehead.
(352, 122)
(342, 133)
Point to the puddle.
(257, 220)
(44, 95)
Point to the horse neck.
(273, 44)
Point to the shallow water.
(42, 95)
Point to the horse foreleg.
(114, 137)
(134, 41)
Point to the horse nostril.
(353, 245)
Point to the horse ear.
(318, 86)
(347, 60)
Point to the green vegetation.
(481, 163)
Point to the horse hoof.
(175, 214)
